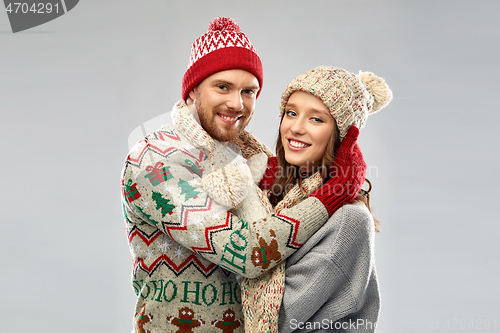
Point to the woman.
(330, 284)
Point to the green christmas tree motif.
(187, 190)
(162, 204)
(147, 216)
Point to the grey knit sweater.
(331, 284)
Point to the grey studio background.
(72, 92)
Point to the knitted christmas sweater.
(186, 247)
(331, 284)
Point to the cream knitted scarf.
(261, 297)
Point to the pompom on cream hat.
(349, 97)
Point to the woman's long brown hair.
(289, 175)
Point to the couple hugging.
(224, 235)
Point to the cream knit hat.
(349, 97)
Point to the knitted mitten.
(228, 185)
(347, 174)
(270, 174)
(258, 165)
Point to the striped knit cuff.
(312, 215)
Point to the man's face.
(225, 102)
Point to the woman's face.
(306, 129)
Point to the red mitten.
(270, 174)
(347, 174)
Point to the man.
(186, 247)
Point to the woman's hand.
(270, 174)
(347, 174)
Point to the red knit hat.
(221, 48)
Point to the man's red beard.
(209, 125)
